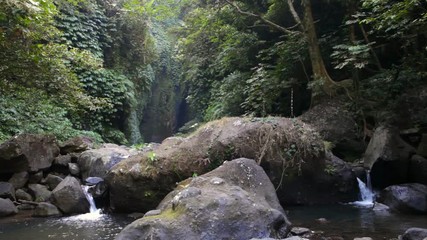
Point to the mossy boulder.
(234, 201)
(285, 148)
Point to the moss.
(168, 214)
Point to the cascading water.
(94, 213)
(89, 198)
(367, 196)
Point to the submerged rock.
(7, 207)
(234, 201)
(69, 197)
(410, 198)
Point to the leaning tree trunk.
(319, 70)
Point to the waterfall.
(89, 198)
(94, 213)
(366, 194)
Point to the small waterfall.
(89, 197)
(366, 194)
(94, 213)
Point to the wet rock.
(69, 197)
(295, 238)
(45, 209)
(7, 191)
(74, 169)
(23, 195)
(409, 198)
(415, 234)
(379, 207)
(76, 144)
(52, 181)
(363, 238)
(91, 181)
(244, 206)
(28, 152)
(322, 220)
(299, 231)
(35, 177)
(18, 180)
(96, 162)
(388, 158)
(40, 192)
(418, 169)
(7, 207)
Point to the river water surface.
(343, 220)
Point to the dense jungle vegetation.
(72, 67)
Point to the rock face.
(234, 201)
(28, 152)
(388, 158)
(409, 198)
(140, 182)
(96, 162)
(69, 197)
(45, 209)
(7, 208)
(415, 234)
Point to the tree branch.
(266, 21)
(295, 14)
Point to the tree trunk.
(319, 70)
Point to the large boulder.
(76, 144)
(7, 191)
(40, 192)
(409, 198)
(234, 201)
(18, 180)
(388, 157)
(69, 197)
(336, 125)
(23, 195)
(415, 234)
(96, 162)
(28, 152)
(288, 150)
(7, 207)
(53, 181)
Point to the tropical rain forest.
(213, 119)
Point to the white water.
(94, 213)
(366, 194)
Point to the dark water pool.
(81, 227)
(350, 221)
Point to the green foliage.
(31, 111)
(351, 56)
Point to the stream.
(343, 220)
